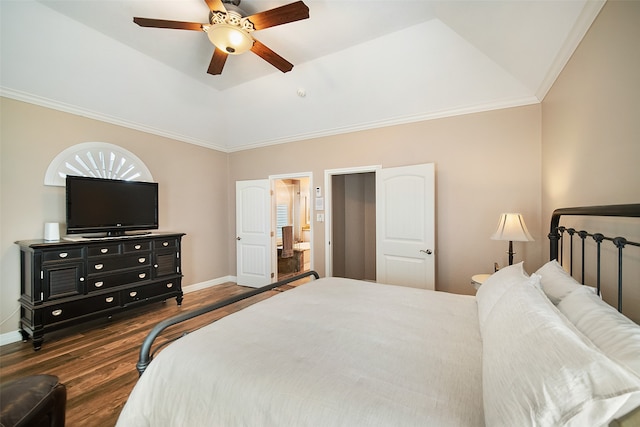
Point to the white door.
(253, 233)
(405, 215)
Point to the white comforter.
(333, 352)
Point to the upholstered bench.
(37, 400)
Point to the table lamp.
(511, 227)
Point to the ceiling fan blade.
(216, 6)
(280, 15)
(217, 62)
(271, 57)
(161, 23)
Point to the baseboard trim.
(15, 336)
(10, 337)
(209, 283)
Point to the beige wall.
(591, 117)
(192, 184)
(591, 129)
(486, 163)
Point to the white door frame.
(274, 246)
(328, 174)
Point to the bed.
(537, 349)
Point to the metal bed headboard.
(556, 238)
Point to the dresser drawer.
(106, 264)
(62, 254)
(168, 243)
(97, 283)
(137, 246)
(69, 310)
(107, 249)
(142, 293)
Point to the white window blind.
(282, 219)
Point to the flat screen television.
(98, 205)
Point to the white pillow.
(614, 334)
(556, 282)
(538, 370)
(496, 285)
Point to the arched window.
(99, 160)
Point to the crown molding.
(71, 109)
(583, 23)
(400, 120)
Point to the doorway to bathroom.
(291, 220)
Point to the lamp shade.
(512, 227)
(230, 38)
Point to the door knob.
(428, 251)
(238, 238)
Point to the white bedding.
(330, 352)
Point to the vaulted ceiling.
(359, 64)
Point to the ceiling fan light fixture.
(229, 30)
(229, 38)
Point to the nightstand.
(478, 279)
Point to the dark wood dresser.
(65, 283)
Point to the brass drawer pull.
(98, 284)
(56, 312)
(133, 294)
(98, 266)
(63, 254)
(141, 260)
(169, 285)
(109, 299)
(137, 246)
(165, 243)
(104, 250)
(142, 275)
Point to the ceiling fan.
(229, 30)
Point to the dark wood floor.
(97, 361)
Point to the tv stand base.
(66, 283)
